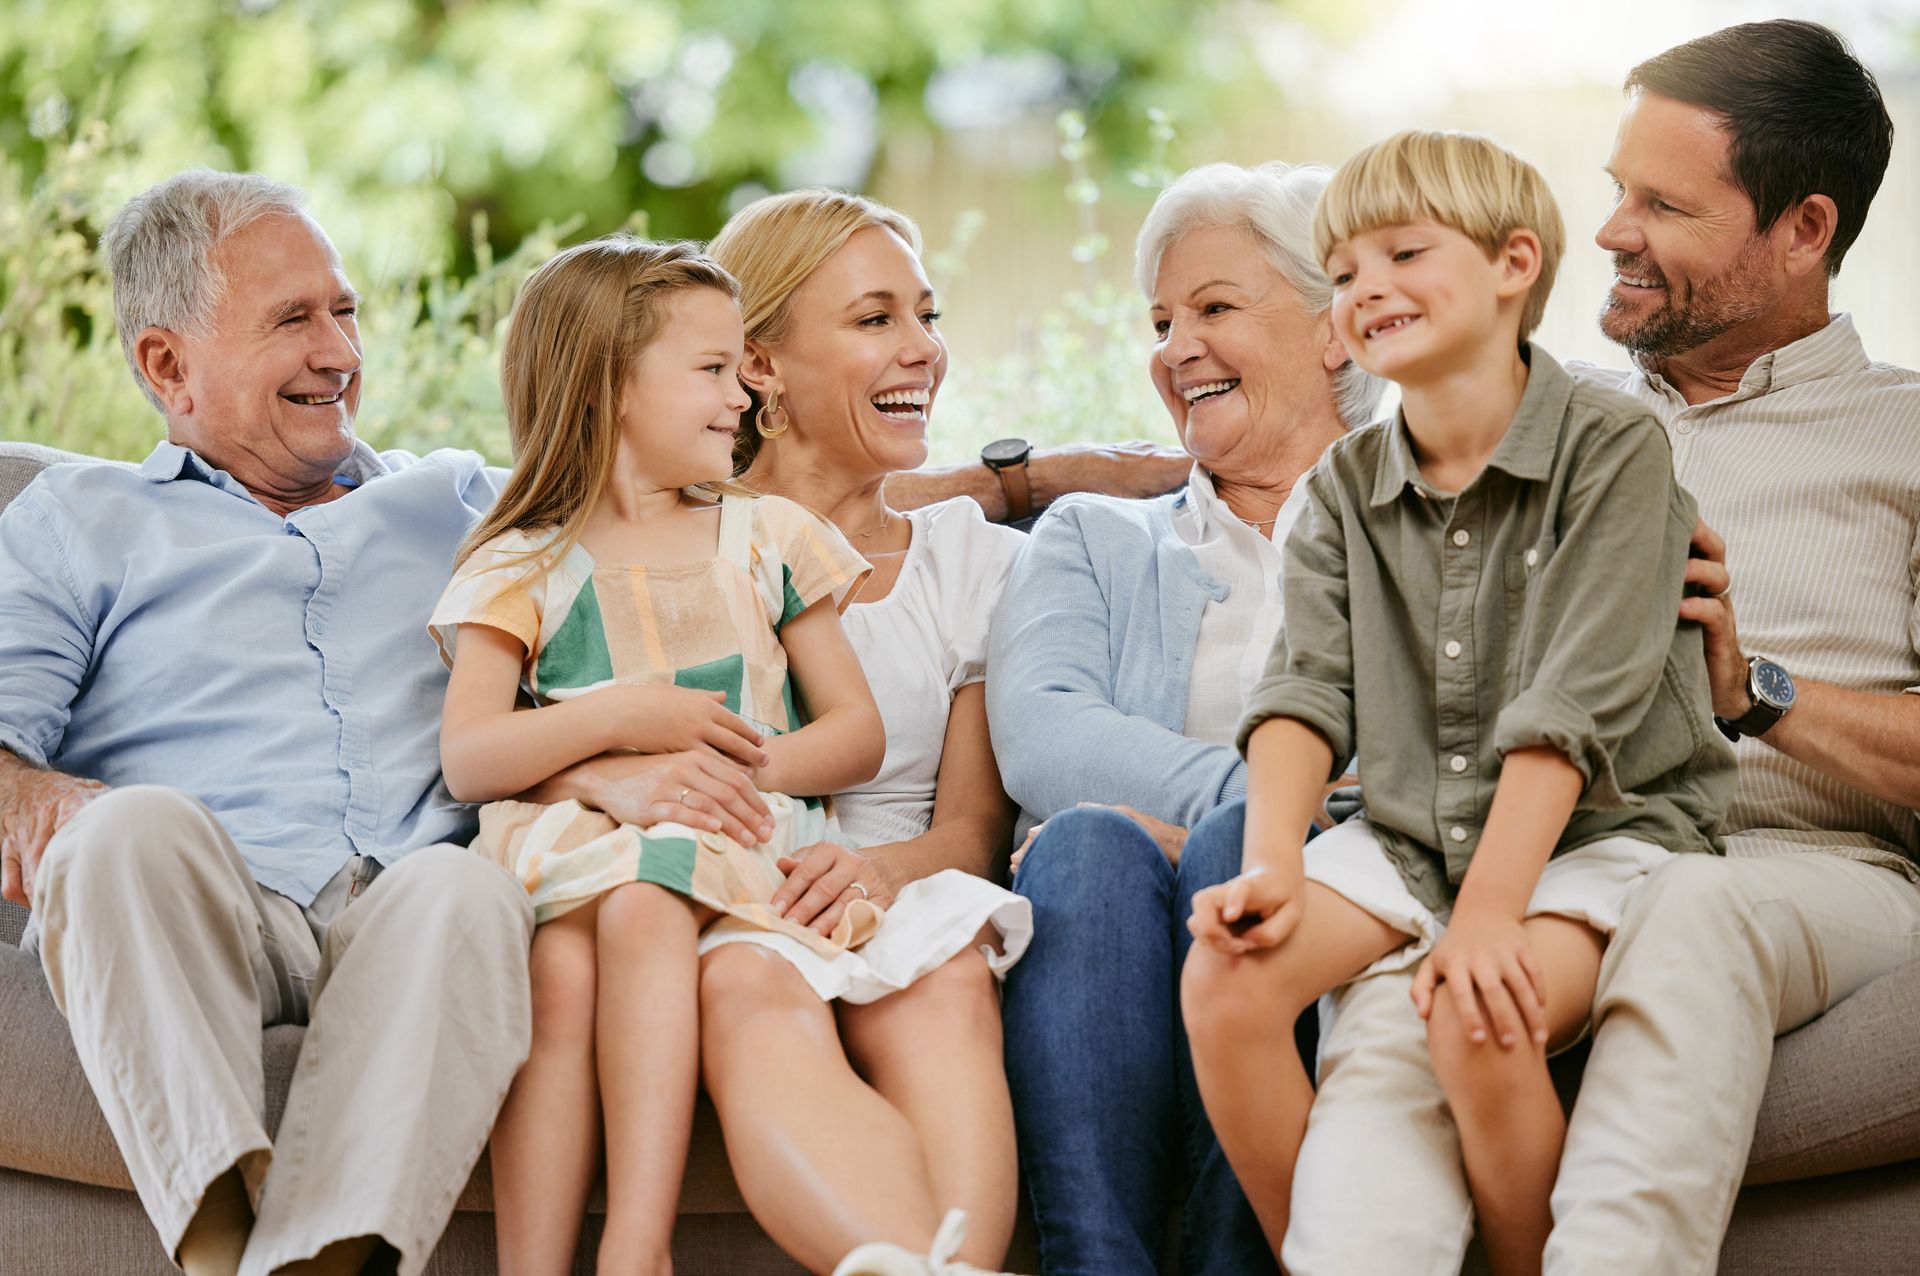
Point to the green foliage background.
(450, 146)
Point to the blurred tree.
(419, 113)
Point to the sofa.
(1833, 1183)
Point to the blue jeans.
(1103, 1092)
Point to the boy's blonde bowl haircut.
(1463, 181)
(577, 326)
(772, 246)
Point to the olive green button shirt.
(1436, 632)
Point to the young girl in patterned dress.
(642, 605)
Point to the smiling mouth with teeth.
(1391, 325)
(1195, 393)
(903, 402)
(311, 400)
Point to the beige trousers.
(1713, 957)
(168, 960)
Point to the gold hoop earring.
(769, 409)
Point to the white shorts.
(930, 922)
(1590, 884)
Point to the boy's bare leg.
(546, 1144)
(1240, 1012)
(647, 1047)
(934, 1052)
(824, 1162)
(1511, 1125)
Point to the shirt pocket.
(1524, 569)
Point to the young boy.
(1480, 598)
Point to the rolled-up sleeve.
(1599, 619)
(46, 635)
(1309, 675)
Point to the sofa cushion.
(1842, 1094)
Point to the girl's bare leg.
(647, 1049)
(546, 1143)
(1511, 1125)
(824, 1162)
(1240, 1012)
(934, 1051)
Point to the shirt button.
(1457, 833)
(1458, 764)
(1460, 537)
(1453, 650)
(1533, 556)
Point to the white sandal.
(883, 1258)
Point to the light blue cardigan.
(1089, 661)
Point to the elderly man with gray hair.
(219, 791)
(219, 781)
(1121, 656)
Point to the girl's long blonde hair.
(577, 326)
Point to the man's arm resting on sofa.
(1119, 469)
(34, 804)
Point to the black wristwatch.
(1772, 690)
(1008, 459)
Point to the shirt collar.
(1832, 351)
(1206, 506)
(1203, 500)
(1526, 450)
(169, 461)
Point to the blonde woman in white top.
(850, 1123)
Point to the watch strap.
(1018, 486)
(1756, 720)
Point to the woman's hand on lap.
(1486, 953)
(1020, 855)
(695, 787)
(821, 882)
(1172, 839)
(1255, 910)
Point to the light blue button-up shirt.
(160, 626)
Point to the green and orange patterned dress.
(712, 625)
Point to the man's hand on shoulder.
(34, 805)
(1708, 602)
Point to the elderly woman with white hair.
(1122, 653)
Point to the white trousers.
(1713, 957)
(168, 960)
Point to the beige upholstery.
(1843, 1102)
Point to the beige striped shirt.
(1811, 471)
